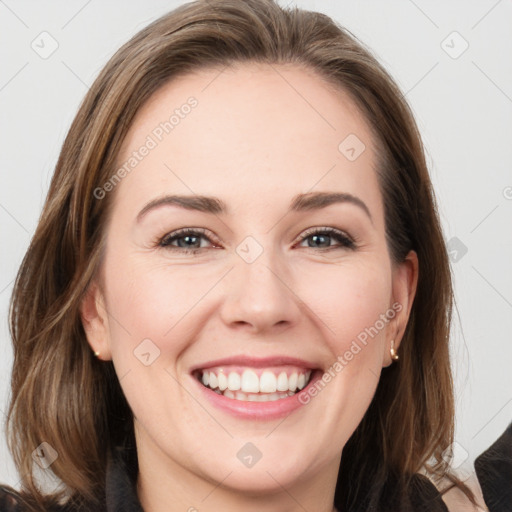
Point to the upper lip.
(256, 362)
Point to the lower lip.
(259, 410)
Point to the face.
(271, 287)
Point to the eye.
(321, 236)
(187, 240)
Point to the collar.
(121, 481)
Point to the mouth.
(248, 384)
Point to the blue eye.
(189, 240)
(319, 235)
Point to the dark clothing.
(493, 468)
(494, 472)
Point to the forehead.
(249, 131)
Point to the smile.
(254, 385)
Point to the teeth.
(282, 382)
(268, 382)
(249, 382)
(292, 382)
(245, 397)
(234, 381)
(223, 381)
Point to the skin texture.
(258, 136)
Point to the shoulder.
(494, 471)
(457, 501)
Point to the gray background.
(462, 101)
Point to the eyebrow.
(214, 205)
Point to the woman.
(238, 295)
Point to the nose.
(259, 296)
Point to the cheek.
(349, 303)
(349, 299)
(152, 309)
(153, 301)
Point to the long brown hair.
(62, 395)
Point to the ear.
(94, 318)
(405, 280)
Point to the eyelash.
(343, 239)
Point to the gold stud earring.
(97, 354)
(394, 355)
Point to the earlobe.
(95, 321)
(392, 352)
(405, 280)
